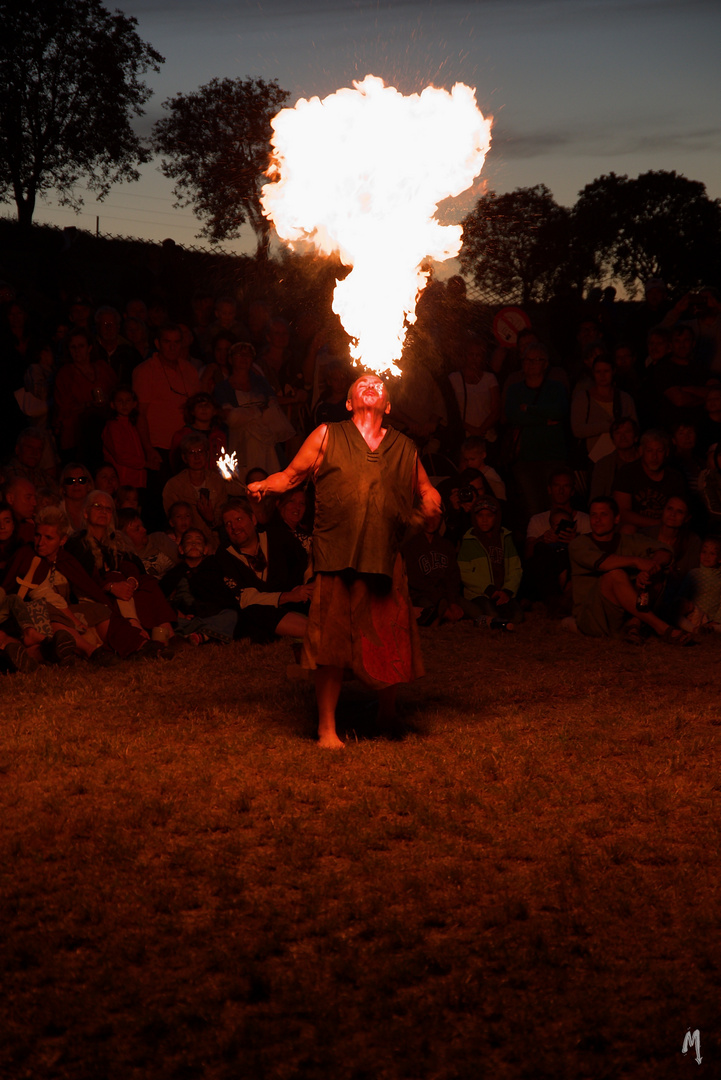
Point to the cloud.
(602, 140)
(563, 9)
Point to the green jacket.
(475, 565)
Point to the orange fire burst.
(362, 173)
(227, 464)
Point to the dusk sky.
(577, 88)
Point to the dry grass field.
(526, 885)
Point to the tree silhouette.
(215, 144)
(515, 246)
(70, 76)
(658, 225)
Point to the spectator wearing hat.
(489, 564)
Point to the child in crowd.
(180, 519)
(702, 588)
(107, 480)
(40, 374)
(201, 418)
(122, 445)
(202, 620)
(157, 552)
(127, 497)
(490, 567)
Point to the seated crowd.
(586, 485)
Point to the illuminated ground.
(525, 886)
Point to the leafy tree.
(658, 225)
(216, 146)
(516, 245)
(70, 76)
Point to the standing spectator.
(651, 312)
(330, 408)
(79, 316)
(82, 391)
(226, 322)
(122, 446)
(658, 346)
(681, 380)
(201, 304)
(218, 369)
(255, 421)
(35, 399)
(419, 410)
(627, 375)
(536, 409)
(136, 333)
(136, 308)
(109, 346)
(162, 385)
(476, 390)
(15, 341)
(596, 407)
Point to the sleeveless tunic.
(364, 500)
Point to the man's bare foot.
(31, 636)
(330, 741)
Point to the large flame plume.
(362, 173)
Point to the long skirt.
(364, 623)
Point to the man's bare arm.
(430, 506)
(310, 454)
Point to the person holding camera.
(461, 494)
(548, 570)
(561, 488)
